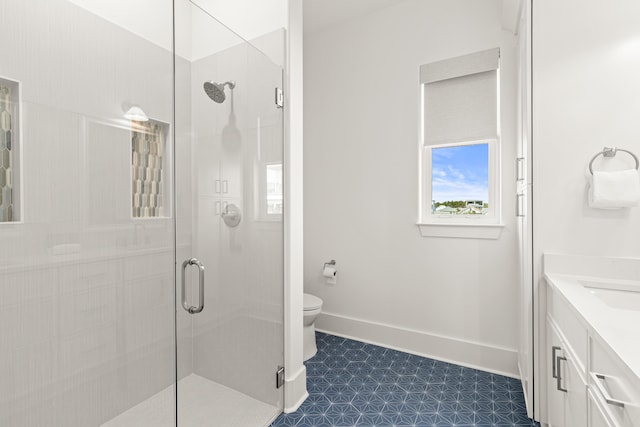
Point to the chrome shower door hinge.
(279, 98)
(280, 377)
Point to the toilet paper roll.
(329, 272)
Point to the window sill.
(461, 231)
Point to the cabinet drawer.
(572, 328)
(597, 417)
(614, 386)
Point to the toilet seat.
(311, 302)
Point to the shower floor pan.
(201, 403)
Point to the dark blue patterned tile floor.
(351, 383)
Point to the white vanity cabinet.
(588, 384)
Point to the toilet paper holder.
(329, 272)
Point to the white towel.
(613, 190)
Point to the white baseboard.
(475, 355)
(295, 390)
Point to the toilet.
(312, 307)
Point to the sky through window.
(460, 173)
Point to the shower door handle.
(191, 309)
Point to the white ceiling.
(319, 14)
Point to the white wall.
(295, 371)
(586, 96)
(451, 298)
(248, 18)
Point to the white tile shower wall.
(362, 110)
(98, 335)
(84, 328)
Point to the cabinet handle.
(598, 379)
(553, 360)
(559, 377)
(519, 169)
(519, 205)
(217, 185)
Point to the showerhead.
(215, 91)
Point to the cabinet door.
(555, 397)
(575, 402)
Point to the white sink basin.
(620, 296)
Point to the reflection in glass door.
(229, 153)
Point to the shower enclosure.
(141, 229)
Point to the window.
(274, 189)
(459, 185)
(460, 142)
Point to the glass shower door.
(229, 183)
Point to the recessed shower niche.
(148, 160)
(9, 150)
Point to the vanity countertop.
(608, 303)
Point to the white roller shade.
(461, 98)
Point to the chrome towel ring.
(611, 152)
